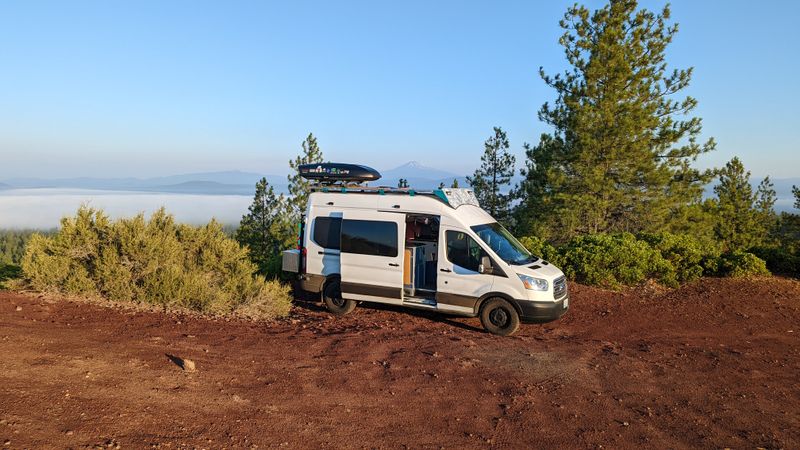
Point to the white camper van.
(435, 250)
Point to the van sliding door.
(372, 256)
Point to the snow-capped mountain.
(419, 176)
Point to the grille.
(560, 288)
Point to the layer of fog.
(43, 208)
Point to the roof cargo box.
(338, 172)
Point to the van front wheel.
(332, 297)
(499, 317)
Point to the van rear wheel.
(499, 317)
(332, 297)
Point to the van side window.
(369, 237)
(463, 251)
(327, 231)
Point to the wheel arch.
(482, 301)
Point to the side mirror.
(486, 265)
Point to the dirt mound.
(712, 364)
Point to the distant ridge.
(201, 183)
(205, 187)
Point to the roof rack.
(360, 188)
(453, 197)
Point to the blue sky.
(155, 88)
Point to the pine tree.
(744, 218)
(455, 183)
(619, 157)
(796, 193)
(402, 183)
(299, 186)
(265, 229)
(494, 176)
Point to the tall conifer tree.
(621, 151)
(299, 186)
(744, 218)
(494, 176)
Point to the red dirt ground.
(713, 364)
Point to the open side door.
(371, 256)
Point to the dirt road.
(714, 364)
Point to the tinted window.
(369, 237)
(463, 251)
(327, 231)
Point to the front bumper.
(541, 312)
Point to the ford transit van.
(435, 250)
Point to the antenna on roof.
(338, 173)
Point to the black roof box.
(338, 172)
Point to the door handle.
(445, 270)
(394, 264)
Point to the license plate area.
(565, 305)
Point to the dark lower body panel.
(541, 312)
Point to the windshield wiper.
(531, 259)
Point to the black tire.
(332, 297)
(499, 317)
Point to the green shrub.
(541, 248)
(689, 258)
(782, 260)
(155, 261)
(742, 264)
(614, 260)
(9, 272)
(263, 305)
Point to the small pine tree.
(265, 229)
(744, 218)
(796, 192)
(455, 183)
(402, 184)
(299, 186)
(494, 176)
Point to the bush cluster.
(741, 264)
(624, 259)
(155, 261)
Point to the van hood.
(539, 270)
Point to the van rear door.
(372, 255)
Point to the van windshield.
(503, 243)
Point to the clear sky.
(144, 88)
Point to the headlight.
(534, 284)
